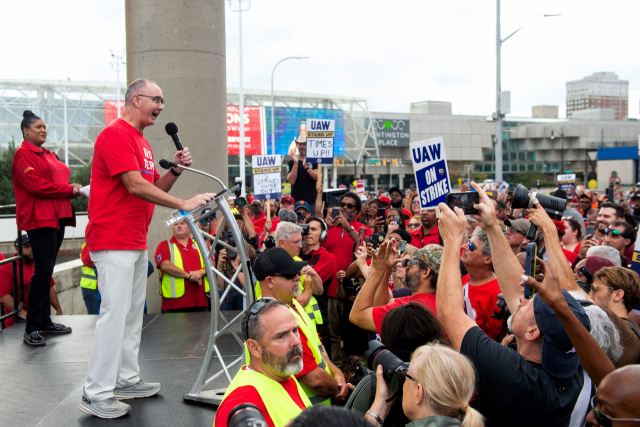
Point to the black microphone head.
(165, 164)
(171, 128)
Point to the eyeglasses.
(512, 230)
(204, 221)
(415, 202)
(413, 225)
(472, 247)
(414, 262)
(157, 99)
(595, 287)
(287, 276)
(615, 233)
(404, 371)
(253, 310)
(604, 419)
(347, 205)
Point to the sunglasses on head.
(615, 233)
(287, 276)
(347, 205)
(604, 419)
(253, 310)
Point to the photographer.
(438, 387)
(228, 263)
(246, 228)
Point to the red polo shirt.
(341, 246)
(420, 240)
(113, 211)
(6, 283)
(194, 295)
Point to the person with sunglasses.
(620, 236)
(616, 400)
(341, 237)
(279, 276)
(274, 358)
(375, 298)
(125, 187)
(437, 389)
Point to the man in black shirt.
(538, 385)
(302, 176)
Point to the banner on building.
(392, 132)
(111, 111)
(254, 130)
(430, 169)
(267, 179)
(320, 135)
(567, 182)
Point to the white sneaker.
(109, 408)
(137, 390)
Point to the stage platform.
(42, 386)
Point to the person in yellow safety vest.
(289, 237)
(275, 355)
(279, 276)
(178, 259)
(89, 283)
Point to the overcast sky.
(391, 52)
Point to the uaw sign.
(391, 132)
(430, 169)
(567, 182)
(267, 180)
(320, 134)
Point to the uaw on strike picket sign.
(430, 169)
(320, 134)
(267, 180)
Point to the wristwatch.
(352, 228)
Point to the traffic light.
(384, 162)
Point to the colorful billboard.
(254, 140)
(287, 126)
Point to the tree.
(7, 196)
(82, 176)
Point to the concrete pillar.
(180, 44)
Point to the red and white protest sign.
(111, 112)
(360, 186)
(254, 130)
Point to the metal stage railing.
(18, 286)
(219, 203)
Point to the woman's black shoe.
(34, 338)
(55, 328)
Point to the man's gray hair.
(286, 230)
(253, 328)
(607, 252)
(603, 330)
(484, 241)
(287, 216)
(133, 89)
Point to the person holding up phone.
(302, 175)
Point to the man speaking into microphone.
(125, 186)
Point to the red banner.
(254, 130)
(110, 111)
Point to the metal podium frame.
(218, 204)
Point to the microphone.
(172, 131)
(166, 164)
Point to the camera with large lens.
(241, 202)
(351, 289)
(393, 367)
(305, 229)
(301, 217)
(231, 254)
(269, 242)
(246, 415)
(554, 206)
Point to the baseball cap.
(559, 357)
(287, 198)
(302, 204)
(275, 261)
(561, 194)
(396, 189)
(430, 255)
(385, 199)
(521, 225)
(23, 239)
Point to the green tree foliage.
(82, 176)
(7, 197)
(529, 179)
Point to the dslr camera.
(394, 368)
(554, 206)
(246, 415)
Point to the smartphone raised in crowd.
(335, 213)
(396, 220)
(590, 230)
(530, 268)
(402, 245)
(464, 201)
(361, 238)
(376, 239)
(381, 212)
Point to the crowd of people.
(469, 338)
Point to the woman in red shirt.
(43, 209)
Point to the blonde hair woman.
(438, 387)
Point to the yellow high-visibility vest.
(173, 287)
(88, 279)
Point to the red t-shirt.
(258, 222)
(118, 220)
(483, 299)
(378, 313)
(571, 256)
(6, 283)
(420, 240)
(341, 246)
(248, 394)
(322, 262)
(194, 295)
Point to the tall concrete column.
(180, 44)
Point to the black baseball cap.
(276, 261)
(22, 239)
(396, 190)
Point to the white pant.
(122, 281)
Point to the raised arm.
(507, 268)
(449, 297)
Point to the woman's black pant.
(45, 243)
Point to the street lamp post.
(273, 132)
(497, 116)
(117, 64)
(65, 88)
(241, 154)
